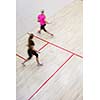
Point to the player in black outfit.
(31, 51)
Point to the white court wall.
(27, 10)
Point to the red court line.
(65, 50)
(40, 38)
(59, 47)
(50, 77)
(20, 56)
(38, 50)
(43, 46)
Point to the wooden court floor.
(60, 77)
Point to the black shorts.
(43, 27)
(31, 53)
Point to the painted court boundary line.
(20, 56)
(59, 47)
(50, 77)
(43, 46)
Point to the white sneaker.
(40, 64)
(39, 32)
(52, 35)
(23, 64)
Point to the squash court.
(60, 77)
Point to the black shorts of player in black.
(31, 53)
(42, 27)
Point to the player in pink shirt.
(43, 22)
